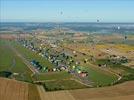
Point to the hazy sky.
(67, 10)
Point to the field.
(31, 55)
(63, 85)
(100, 54)
(57, 85)
(53, 76)
(123, 91)
(98, 76)
(15, 49)
(95, 76)
(120, 49)
(9, 61)
(15, 90)
(23, 91)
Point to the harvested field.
(15, 90)
(130, 97)
(8, 36)
(123, 91)
(118, 49)
(57, 95)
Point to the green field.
(63, 85)
(29, 55)
(127, 73)
(9, 61)
(100, 78)
(53, 76)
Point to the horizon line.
(59, 22)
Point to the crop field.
(56, 95)
(15, 90)
(125, 90)
(121, 50)
(87, 49)
(117, 49)
(23, 91)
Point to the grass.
(53, 76)
(127, 73)
(29, 55)
(9, 61)
(32, 55)
(63, 85)
(100, 78)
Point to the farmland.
(122, 91)
(101, 55)
(23, 91)
(16, 90)
(66, 50)
(74, 71)
(50, 76)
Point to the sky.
(66, 10)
